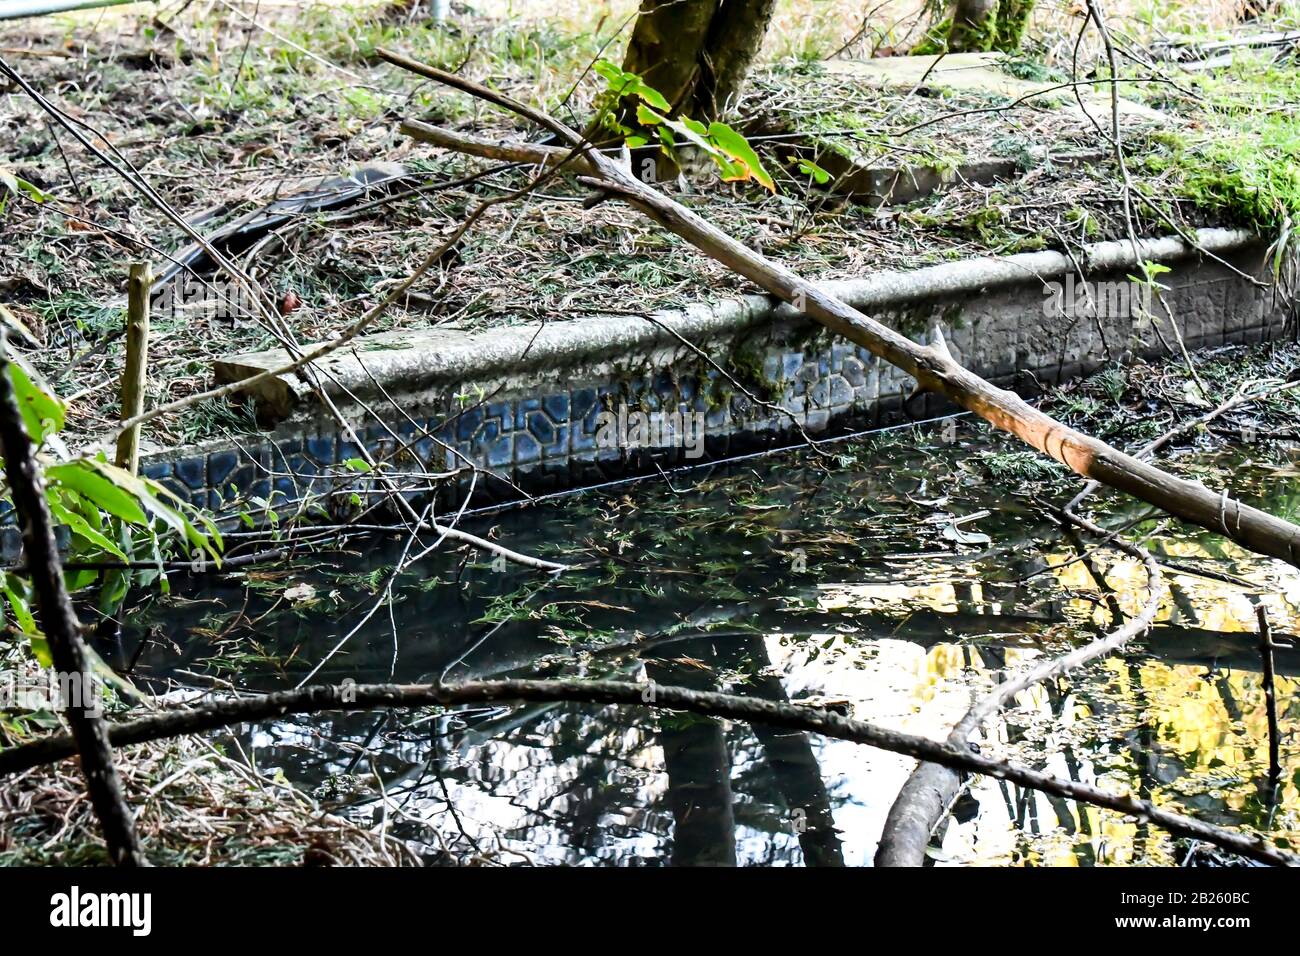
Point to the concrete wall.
(522, 404)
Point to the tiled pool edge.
(544, 386)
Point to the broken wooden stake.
(137, 360)
(1266, 647)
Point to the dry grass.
(194, 806)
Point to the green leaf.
(611, 72)
(17, 185)
(40, 650)
(693, 132)
(82, 478)
(84, 578)
(736, 148)
(150, 494)
(623, 83)
(114, 588)
(357, 464)
(820, 176)
(646, 116)
(38, 407)
(15, 592)
(80, 526)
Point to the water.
(897, 583)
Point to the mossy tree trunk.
(697, 53)
(989, 25)
(974, 26)
(1013, 17)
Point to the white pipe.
(15, 9)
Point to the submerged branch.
(931, 788)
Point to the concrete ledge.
(522, 406)
(412, 362)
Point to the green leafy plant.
(114, 519)
(730, 151)
(17, 186)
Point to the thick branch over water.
(931, 365)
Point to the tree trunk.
(974, 26)
(1013, 17)
(989, 25)
(698, 53)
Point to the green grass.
(1242, 155)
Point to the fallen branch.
(931, 788)
(1239, 398)
(356, 697)
(932, 366)
(63, 633)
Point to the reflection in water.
(788, 582)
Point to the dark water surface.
(897, 582)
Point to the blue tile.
(424, 449)
(830, 392)
(840, 352)
(286, 489)
(541, 428)
(346, 451)
(523, 408)
(190, 472)
(302, 466)
(560, 447)
(853, 372)
(581, 402)
(468, 423)
(323, 448)
(501, 452)
(557, 406)
(220, 465)
(527, 448)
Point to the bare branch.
(355, 697)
